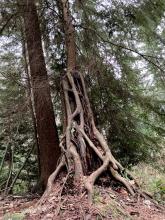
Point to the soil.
(115, 204)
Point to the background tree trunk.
(46, 127)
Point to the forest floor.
(109, 203)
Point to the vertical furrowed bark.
(46, 126)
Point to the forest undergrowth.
(110, 201)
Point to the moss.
(14, 216)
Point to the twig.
(6, 23)
(144, 56)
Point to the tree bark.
(46, 126)
(84, 149)
(30, 98)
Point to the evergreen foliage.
(121, 52)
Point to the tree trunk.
(30, 98)
(46, 127)
(84, 149)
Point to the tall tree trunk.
(84, 149)
(30, 98)
(46, 127)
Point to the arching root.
(92, 178)
(84, 149)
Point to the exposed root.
(84, 149)
(122, 180)
(92, 178)
(51, 180)
(77, 163)
(114, 173)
